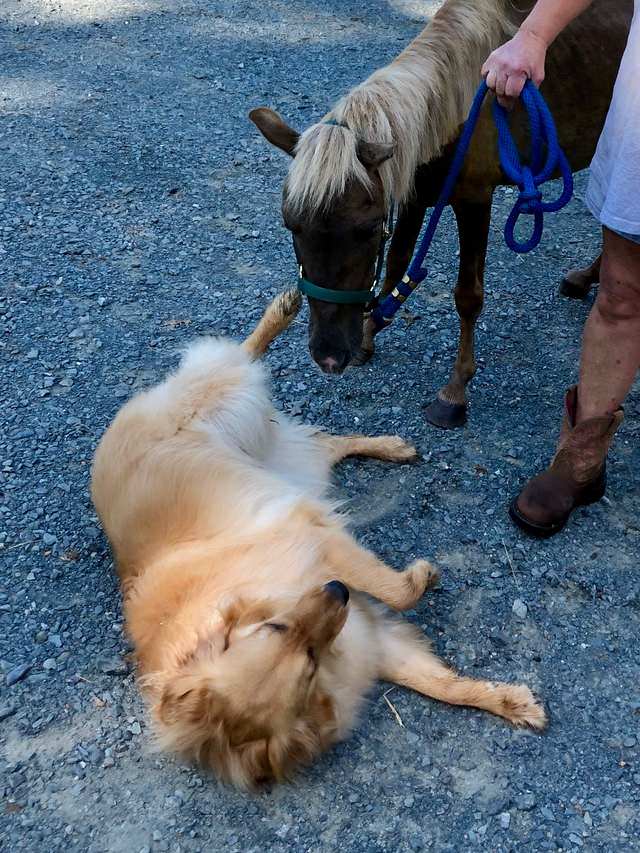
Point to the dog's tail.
(278, 317)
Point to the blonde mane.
(417, 102)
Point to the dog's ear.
(232, 611)
(214, 640)
(207, 644)
(194, 722)
(248, 765)
(300, 744)
(260, 757)
(188, 699)
(275, 129)
(238, 612)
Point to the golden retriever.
(235, 569)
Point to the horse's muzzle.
(335, 363)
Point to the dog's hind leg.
(389, 448)
(406, 659)
(362, 570)
(278, 316)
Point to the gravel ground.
(138, 208)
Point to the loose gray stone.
(114, 666)
(525, 802)
(7, 710)
(520, 608)
(17, 674)
(497, 805)
(96, 755)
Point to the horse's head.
(334, 203)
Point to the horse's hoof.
(446, 415)
(574, 291)
(362, 357)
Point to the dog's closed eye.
(277, 626)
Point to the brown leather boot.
(576, 476)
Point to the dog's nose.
(338, 591)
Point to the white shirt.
(613, 194)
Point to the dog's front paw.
(519, 706)
(398, 450)
(419, 577)
(290, 302)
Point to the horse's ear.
(275, 129)
(374, 154)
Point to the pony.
(392, 137)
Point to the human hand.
(510, 66)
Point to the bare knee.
(619, 298)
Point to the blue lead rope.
(546, 158)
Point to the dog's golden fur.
(216, 509)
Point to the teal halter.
(339, 297)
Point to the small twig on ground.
(392, 707)
(11, 547)
(513, 571)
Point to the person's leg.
(609, 362)
(611, 342)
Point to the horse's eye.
(366, 232)
(277, 626)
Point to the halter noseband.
(348, 297)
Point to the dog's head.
(248, 699)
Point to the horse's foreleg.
(401, 249)
(449, 409)
(577, 283)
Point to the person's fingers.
(501, 82)
(515, 84)
(488, 64)
(491, 79)
(537, 76)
